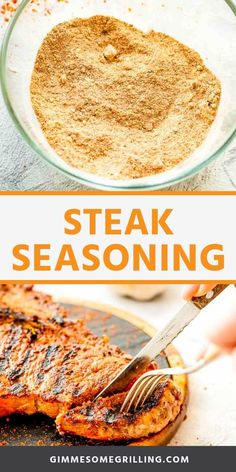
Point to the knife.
(160, 341)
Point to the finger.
(204, 288)
(189, 291)
(197, 290)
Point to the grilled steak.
(25, 299)
(103, 421)
(53, 365)
(46, 366)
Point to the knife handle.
(204, 300)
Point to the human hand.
(222, 328)
(197, 290)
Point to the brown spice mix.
(120, 103)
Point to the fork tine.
(145, 387)
(155, 382)
(140, 391)
(129, 398)
(134, 391)
(146, 384)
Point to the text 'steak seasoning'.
(120, 103)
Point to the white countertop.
(211, 414)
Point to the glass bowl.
(209, 27)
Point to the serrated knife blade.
(160, 341)
(154, 347)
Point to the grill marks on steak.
(13, 335)
(52, 365)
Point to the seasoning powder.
(118, 102)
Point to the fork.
(145, 385)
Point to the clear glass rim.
(94, 182)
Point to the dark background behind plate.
(38, 430)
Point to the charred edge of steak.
(24, 298)
(20, 322)
(15, 316)
(58, 319)
(32, 323)
(7, 315)
(112, 414)
(9, 287)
